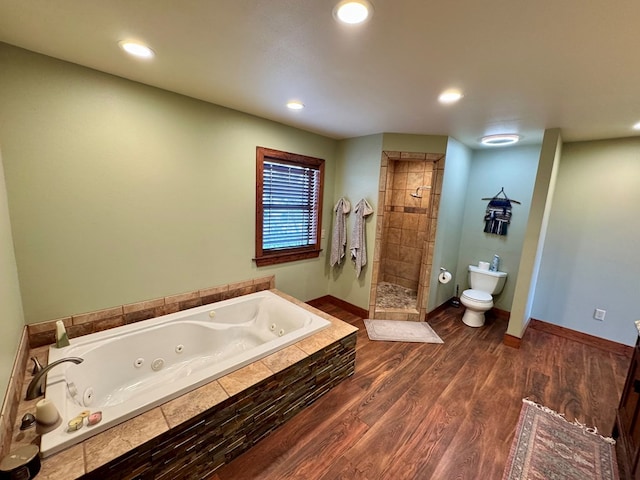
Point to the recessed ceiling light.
(450, 96)
(295, 105)
(636, 126)
(353, 11)
(136, 49)
(500, 139)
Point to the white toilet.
(478, 299)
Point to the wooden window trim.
(263, 258)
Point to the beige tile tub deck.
(246, 377)
(101, 449)
(118, 440)
(282, 359)
(66, 464)
(193, 403)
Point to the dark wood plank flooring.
(425, 411)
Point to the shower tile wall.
(405, 237)
(408, 225)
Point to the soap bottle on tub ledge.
(62, 339)
(495, 264)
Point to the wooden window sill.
(274, 259)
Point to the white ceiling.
(523, 65)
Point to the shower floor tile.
(390, 295)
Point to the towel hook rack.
(505, 196)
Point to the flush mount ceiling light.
(500, 140)
(295, 105)
(353, 12)
(136, 49)
(450, 96)
(636, 126)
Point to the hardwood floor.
(426, 411)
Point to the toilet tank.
(486, 280)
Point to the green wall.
(357, 177)
(121, 192)
(450, 222)
(526, 281)
(402, 142)
(513, 168)
(11, 317)
(590, 258)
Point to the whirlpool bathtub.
(131, 369)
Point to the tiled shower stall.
(409, 193)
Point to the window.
(288, 206)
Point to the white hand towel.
(339, 237)
(358, 240)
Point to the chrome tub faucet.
(34, 390)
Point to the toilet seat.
(477, 296)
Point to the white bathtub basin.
(131, 369)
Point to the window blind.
(290, 196)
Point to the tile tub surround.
(40, 334)
(83, 324)
(192, 435)
(13, 395)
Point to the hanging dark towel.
(498, 216)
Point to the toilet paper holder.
(444, 276)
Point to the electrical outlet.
(599, 314)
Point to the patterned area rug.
(547, 446)
(398, 331)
